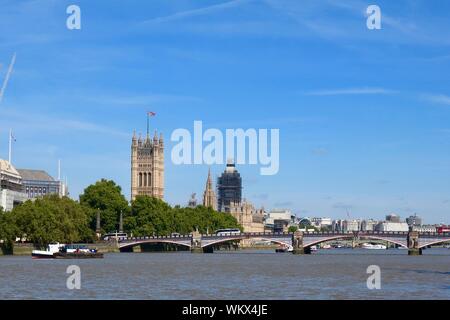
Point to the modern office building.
(11, 187)
(38, 183)
(229, 187)
(280, 214)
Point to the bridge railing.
(285, 234)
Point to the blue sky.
(364, 115)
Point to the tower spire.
(209, 197)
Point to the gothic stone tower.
(209, 197)
(147, 166)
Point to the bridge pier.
(297, 244)
(413, 244)
(196, 243)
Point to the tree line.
(54, 219)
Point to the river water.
(328, 274)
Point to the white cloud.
(197, 12)
(437, 98)
(26, 121)
(350, 91)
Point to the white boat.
(285, 249)
(313, 248)
(52, 248)
(371, 246)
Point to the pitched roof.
(40, 175)
(6, 167)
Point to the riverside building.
(11, 187)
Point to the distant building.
(388, 226)
(209, 197)
(321, 222)
(229, 187)
(337, 225)
(147, 166)
(247, 216)
(425, 228)
(393, 218)
(351, 225)
(280, 225)
(280, 214)
(11, 187)
(414, 221)
(38, 183)
(192, 201)
(368, 225)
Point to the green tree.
(8, 229)
(149, 216)
(51, 219)
(107, 197)
(154, 216)
(292, 229)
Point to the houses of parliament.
(147, 178)
(147, 166)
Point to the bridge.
(300, 241)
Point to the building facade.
(229, 187)
(388, 226)
(368, 225)
(38, 183)
(247, 216)
(393, 218)
(11, 187)
(414, 221)
(147, 167)
(321, 223)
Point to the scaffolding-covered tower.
(229, 187)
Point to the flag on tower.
(149, 114)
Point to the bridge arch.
(438, 241)
(350, 236)
(219, 241)
(152, 241)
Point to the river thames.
(328, 274)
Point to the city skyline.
(363, 117)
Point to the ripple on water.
(334, 274)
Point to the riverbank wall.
(25, 249)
